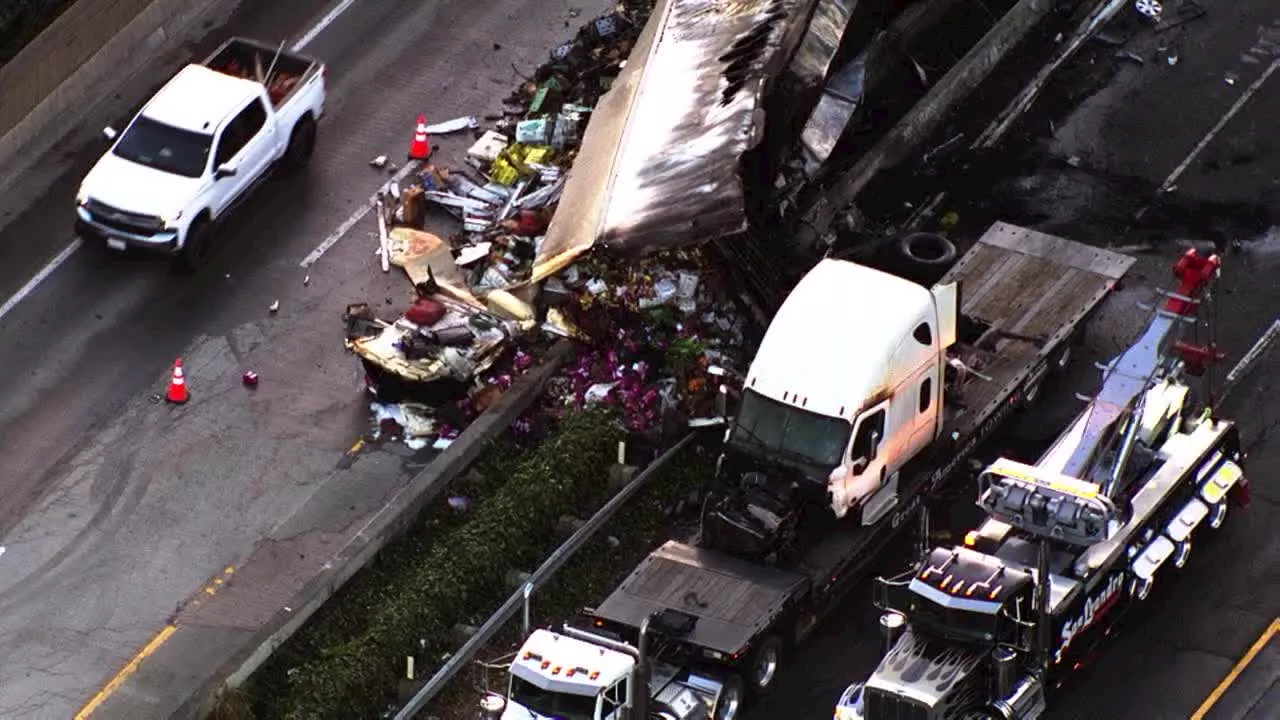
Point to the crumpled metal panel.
(677, 180)
(659, 165)
(813, 59)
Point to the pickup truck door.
(247, 144)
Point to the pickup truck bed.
(282, 72)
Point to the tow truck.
(990, 628)
(869, 392)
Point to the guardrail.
(520, 598)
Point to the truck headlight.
(171, 219)
(81, 199)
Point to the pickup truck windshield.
(165, 148)
(547, 704)
(791, 432)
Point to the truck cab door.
(864, 468)
(927, 409)
(243, 150)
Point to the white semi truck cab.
(848, 381)
(575, 674)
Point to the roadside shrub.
(347, 661)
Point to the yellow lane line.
(211, 588)
(1254, 649)
(96, 701)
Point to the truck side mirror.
(224, 171)
(109, 132)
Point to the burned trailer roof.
(725, 602)
(660, 159)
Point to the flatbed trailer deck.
(1023, 296)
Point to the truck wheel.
(196, 249)
(302, 142)
(926, 256)
(765, 664)
(732, 697)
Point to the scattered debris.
(250, 378)
(482, 308)
(1131, 55)
(1151, 9)
(469, 122)
(306, 280)
(1231, 78)
(1171, 60)
(274, 307)
(378, 162)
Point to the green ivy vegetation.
(22, 20)
(346, 662)
(598, 568)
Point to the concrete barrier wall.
(86, 54)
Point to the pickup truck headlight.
(171, 219)
(81, 199)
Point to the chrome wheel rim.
(730, 704)
(767, 667)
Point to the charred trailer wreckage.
(989, 629)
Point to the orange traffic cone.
(178, 385)
(420, 148)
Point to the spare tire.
(923, 257)
(926, 249)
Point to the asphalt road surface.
(1104, 161)
(118, 509)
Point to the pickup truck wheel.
(732, 696)
(196, 249)
(765, 664)
(302, 142)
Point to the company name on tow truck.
(1093, 607)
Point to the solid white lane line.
(45, 272)
(350, 222)
(1236, 108)
(319, 27)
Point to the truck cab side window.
(240, 131)
(614, 698)
(923, 334)
(926, 394)
(870, 433)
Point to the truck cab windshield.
(790, 432)
(551, 705)
(165, 148)
(934, 620)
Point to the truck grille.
(122, 220)
(881, 705)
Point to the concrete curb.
(384, 526)
(161, 27)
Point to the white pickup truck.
(197, 148)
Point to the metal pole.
(923, 544)
(539, 576)
(528, 591)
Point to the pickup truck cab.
(199, 146)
